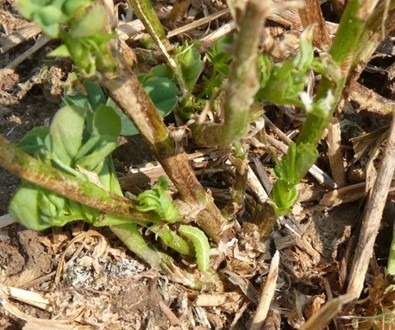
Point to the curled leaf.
(201, 244)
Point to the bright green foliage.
(282, 83)
(79, 141)
(289, 171)
(85, 40)
(219, 57)
(162, 91)
(172, 240)
(68, 144)
(295, 164)
(157, 200)
(201, 244)
(188, 57)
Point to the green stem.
(135, 242)
(330, 91)
(240, 162)
(347, 40)
(131, 237)
(146, 13)
(243, 82)
(82, 191)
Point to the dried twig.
(372, 217)
(369, 100)
(335, 154)
(327, 313)
(266, 294)
(41, 42)
(17, 37)
(311, 14)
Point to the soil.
(91, 281)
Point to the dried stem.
(372, 217)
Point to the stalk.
(300, 157)
(125, 89)
(132, 238)
(243, 82)
(347, 41)
(146, 13)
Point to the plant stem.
(132, 238)
(125, 89)
(28, 168)
(330, 91)
(347, 40)
(146, 13)
(243, 82)
(240, 162)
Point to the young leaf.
(66, 133)
(106, 121)
(34, 141)
(201, 244)
(188, 57)
(94, 94)
(172, 240)
(156, 199)
(90, 24)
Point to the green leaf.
(92, 22)
(95, 94)
(61, 51)
(24, 208)
(34, 141)
(282, 83)
(156, 199)
(163, 71)
(188, 57)
(106, 121)
(39, 209)
(283, 197)
(109, 178)
(49, 19)
(70, 6)
(95, 151)
(66, 133)
(77, 100)
(127, 127)
(172, 240)
(219, 54)
(163, 92)
(296, 163)
(201, 244)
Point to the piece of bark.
(311, 14)
(372, 217)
